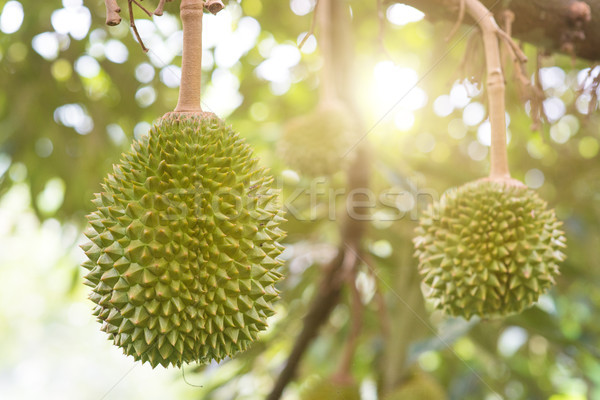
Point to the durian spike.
(191, 12)
(495, 85)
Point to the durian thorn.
(495, 87)
(191, 63)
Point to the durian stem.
(191, 63)
(325, 40)
(495, 87)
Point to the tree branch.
(563, 26)
(322, 305)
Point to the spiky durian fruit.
(489, 249)
(331, 389)
(320, 142)
(184, 243)
(418, 387)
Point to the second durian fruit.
(488, 249)
(319, 143)
(183, 245)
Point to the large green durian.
(183, 245)
(418, 387)
(488, 249)
(331, 389)
(319, 143)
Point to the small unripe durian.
(183, 245)
(489, 249)
(331, 389)
(419, 387)
(319, 143)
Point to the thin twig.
(537, 97)
(313, 23)
(515, 50)
(459, 20)
(148, 13)
(132, 24)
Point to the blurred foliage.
(74, 97)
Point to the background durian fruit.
(489, 249)
(183, 245)
(319, 143)
(418, 387)
(331, 389)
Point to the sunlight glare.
(12, 17)
(404, 120)
(74, 20)
(442, 106)
(395, 86)
(46, 45)
(401, 14)
(302, 7)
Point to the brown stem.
(191, 64)
(325, 40)
(112, 12)
(495, 87)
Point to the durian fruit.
(319, 143)
(331, 389)
(183, 245)
(418, 387)
(488, 248)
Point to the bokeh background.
(75, 93)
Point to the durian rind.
(183, 245)
(319, 143)
(488, 249)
